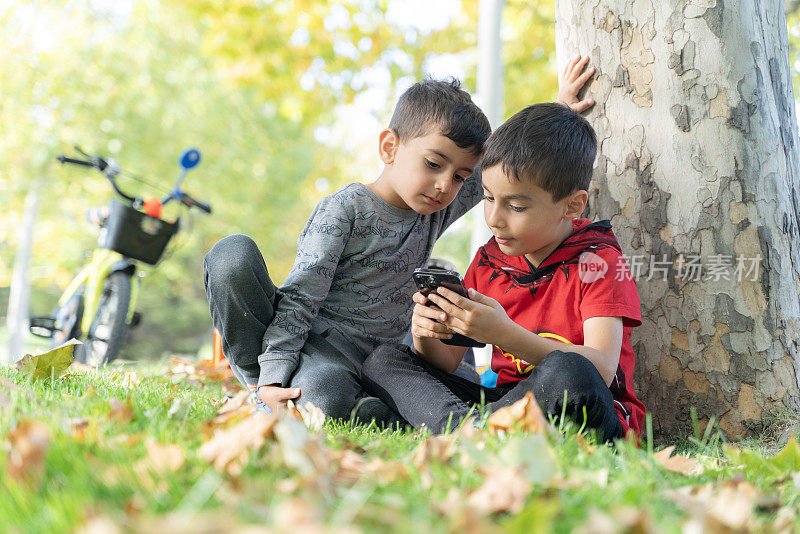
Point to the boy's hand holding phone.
(478, 317)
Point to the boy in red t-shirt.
(550, 291)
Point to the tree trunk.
(697, 168)
(19, 297)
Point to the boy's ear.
(576, 203)
(387, 145)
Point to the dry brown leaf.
(353, 466)
(126, 379)
(89, 391)
(584, 444)
(312, 416)
(436, 448)
(160, 459)
(229, 449)
(77, 427)
(504, 490)
(677, 463)
(81, 368)
(221, 372)
(724, 507)
(121, 412)
(524, 415)
(28, 444)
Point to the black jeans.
(422, 393)
(242, 301)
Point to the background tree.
(698, 156)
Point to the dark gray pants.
(242, 300)
(424, 394)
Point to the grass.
(92, 472)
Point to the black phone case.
(428, 280)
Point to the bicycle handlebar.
(110, 170)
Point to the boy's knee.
(331, 388)
(385, 357)
(229, 258)
(563, 371)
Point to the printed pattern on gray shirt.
(352, 276)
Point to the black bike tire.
(121, 283)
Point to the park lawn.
(122, 450)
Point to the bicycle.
(98, 306)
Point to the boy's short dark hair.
(444, 105)
(549, 144)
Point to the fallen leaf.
(77, 427)
(220, 373)
(51, 364)
(160, 459)
(120, 412)
(584, 444)
(89, 391)
(724, 507)
(677, 463)
(504, 490)
(99, 525)
(524, 415)
(620, 520)
(126, 379)
(229, 449)
(302, 451)
(82, 368)
(436, 448)
(312, 416)
(28, 444)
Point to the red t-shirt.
(585, 277)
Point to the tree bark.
(698, 156)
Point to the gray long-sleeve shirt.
(352, 276)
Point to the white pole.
(17, 317)
(490, 99)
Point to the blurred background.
(284, 98)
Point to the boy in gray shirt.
(350, 287)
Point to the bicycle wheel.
(107, 333)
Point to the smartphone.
(429, 280)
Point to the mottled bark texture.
(698, 156)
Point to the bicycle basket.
(135, 234)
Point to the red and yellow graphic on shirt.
(523, 367)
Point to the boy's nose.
(491, 214)
(443, 185)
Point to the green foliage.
(249, 84)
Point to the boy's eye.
(518, 209)
(487, 197)
(460, 179)
(432, 164)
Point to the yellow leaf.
(52, 363)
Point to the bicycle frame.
(91, 276)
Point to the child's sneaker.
(369, 409)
